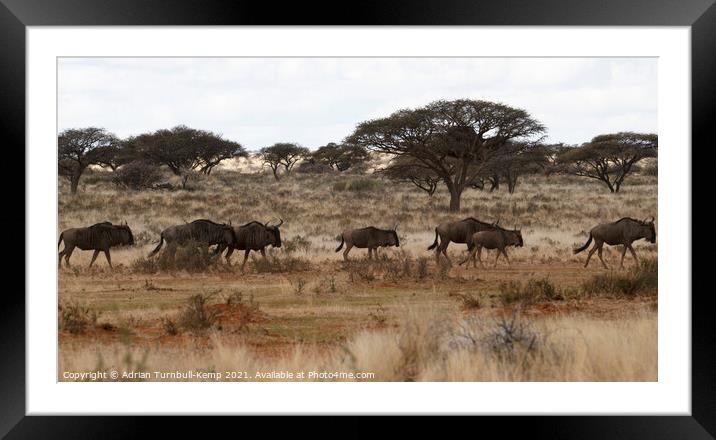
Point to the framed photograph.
(359, 217)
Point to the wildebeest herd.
(256, 236)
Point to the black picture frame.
(700, 15)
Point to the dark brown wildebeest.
(253, 236)
(370, 237)
(98, 237)
(622, 232)
(201, 231)
(458, 232)
(499, 239)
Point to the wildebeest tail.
(60, 241)
(435, 243)
(340, 246)
(586, 245)
(159, 246)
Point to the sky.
(312, 101)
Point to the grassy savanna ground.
(401, 318)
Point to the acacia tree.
(282, 154)
(519, 158)
(341, 156)
(454, 139)
(214, 149)
(609, 158)
(407, 169)
(183, 149)
(80, 148)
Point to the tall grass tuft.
(639, 280)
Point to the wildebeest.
(98, 237)
(202, 231)
(458, 232)
(253, 236)
(499, 239)
(622, 232)
(370, 237)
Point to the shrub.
(170, 326)
(195, 315)
(357, 185)
(137, 175)
(512, 339)
(360, 270)
(297, 243)
(468, 301)
(642, 279)
(192, 257)
(534, 290)
(299, 286)
(308, 167)
(274, 264)
(75, 318)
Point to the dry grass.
(400, 317)
(427, 348)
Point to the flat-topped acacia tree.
(182, 148)
(454, 139)
(609, 158)
(78, 148)
(282, 154)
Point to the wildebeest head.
(394, 241)
(125, 232)
(274, 234)
(227, 231)
(517, 237)
(649, 230)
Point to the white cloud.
(312, 101)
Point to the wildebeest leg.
(345, 252)
(504, 251)
(633, 254)
(59, 259)
(621, 264)
(94, 257)
(263, 253)
(444, 251)
(246, 256)
(470, 254)
(479, 256)
(228, 254)
(109, 259)
(600, 255)
(370, 253)
(68, 254)
(498, 257)
(591, 252)
(172, 249)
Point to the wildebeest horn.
(395, 228)
(267, 223)
(496, 222)
(280, 222)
